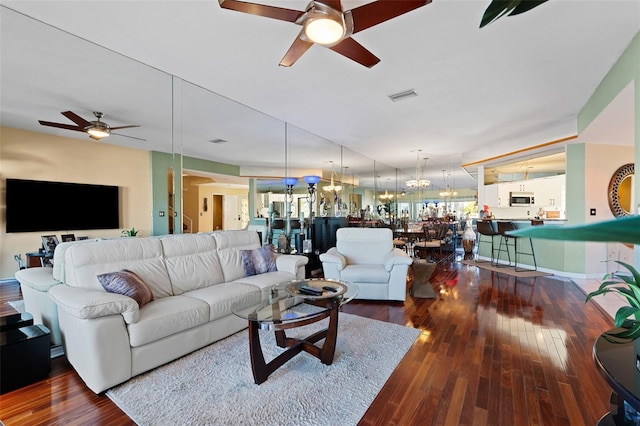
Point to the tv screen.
(33, 205)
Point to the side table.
(11, 322)
(25, 356)
(617, 363)
(37, 259)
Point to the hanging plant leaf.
(525, 6)
(623, 230)
(499, 8)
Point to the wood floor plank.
(492, 351)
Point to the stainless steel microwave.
(521, 199)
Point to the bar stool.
(504, 227)
(485, 228)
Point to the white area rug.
(214, 385)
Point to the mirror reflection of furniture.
(366, 257)
(620, 191)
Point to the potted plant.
(629, 288)
(130, 232)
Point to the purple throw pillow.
(127, 283)
(258, 261)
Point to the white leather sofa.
(367, 257)
(35, 284)
(197, 280)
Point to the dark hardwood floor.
(493, 351)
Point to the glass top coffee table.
(284, 306)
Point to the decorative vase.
(468, 237)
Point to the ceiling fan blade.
(76, 119)
(296, 50)
(61, 126)
(124, 127)
(280, 13)
(374, 13)
(356, 52)
(126, 136)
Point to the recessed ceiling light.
(400, 96)
(218, 141)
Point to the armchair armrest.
(89, 304)
(396, 257)
(332, 256)
(290, 262)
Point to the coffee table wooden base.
(262, 370)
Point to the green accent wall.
(624, 71)
(574, 253)
(161, 163)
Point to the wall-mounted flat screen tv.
(34, 205)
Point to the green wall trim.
(159, 162)
(625, 70)
(191, 163)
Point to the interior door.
(236, 212)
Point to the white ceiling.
(516, 83)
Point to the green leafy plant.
(130, 232)
(629, 288)
(499, 8)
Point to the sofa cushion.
(365, 274)
(229, 244)
(224, 298)
(84, 262)
(378, 241)
(192, 261)
(164, 317)
(128, 284)
(258, 261)
(59, 254)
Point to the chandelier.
(386, 195)
(418, 182)
(332, 187)
(447, 193)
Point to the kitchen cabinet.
(494, 196)
(549, 192)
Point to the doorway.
(217, 210)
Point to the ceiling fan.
(96, 129)
(325, 23)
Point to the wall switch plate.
(592, 212)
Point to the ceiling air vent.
(401, 96)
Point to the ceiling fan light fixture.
(323, 24)
(98, 130)
(323, 30)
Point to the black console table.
(11, 322)
(37, 259)
(617, 363)
(25, 355)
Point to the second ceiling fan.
(325, 23)
(96, 129)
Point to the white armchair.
(367, 257)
